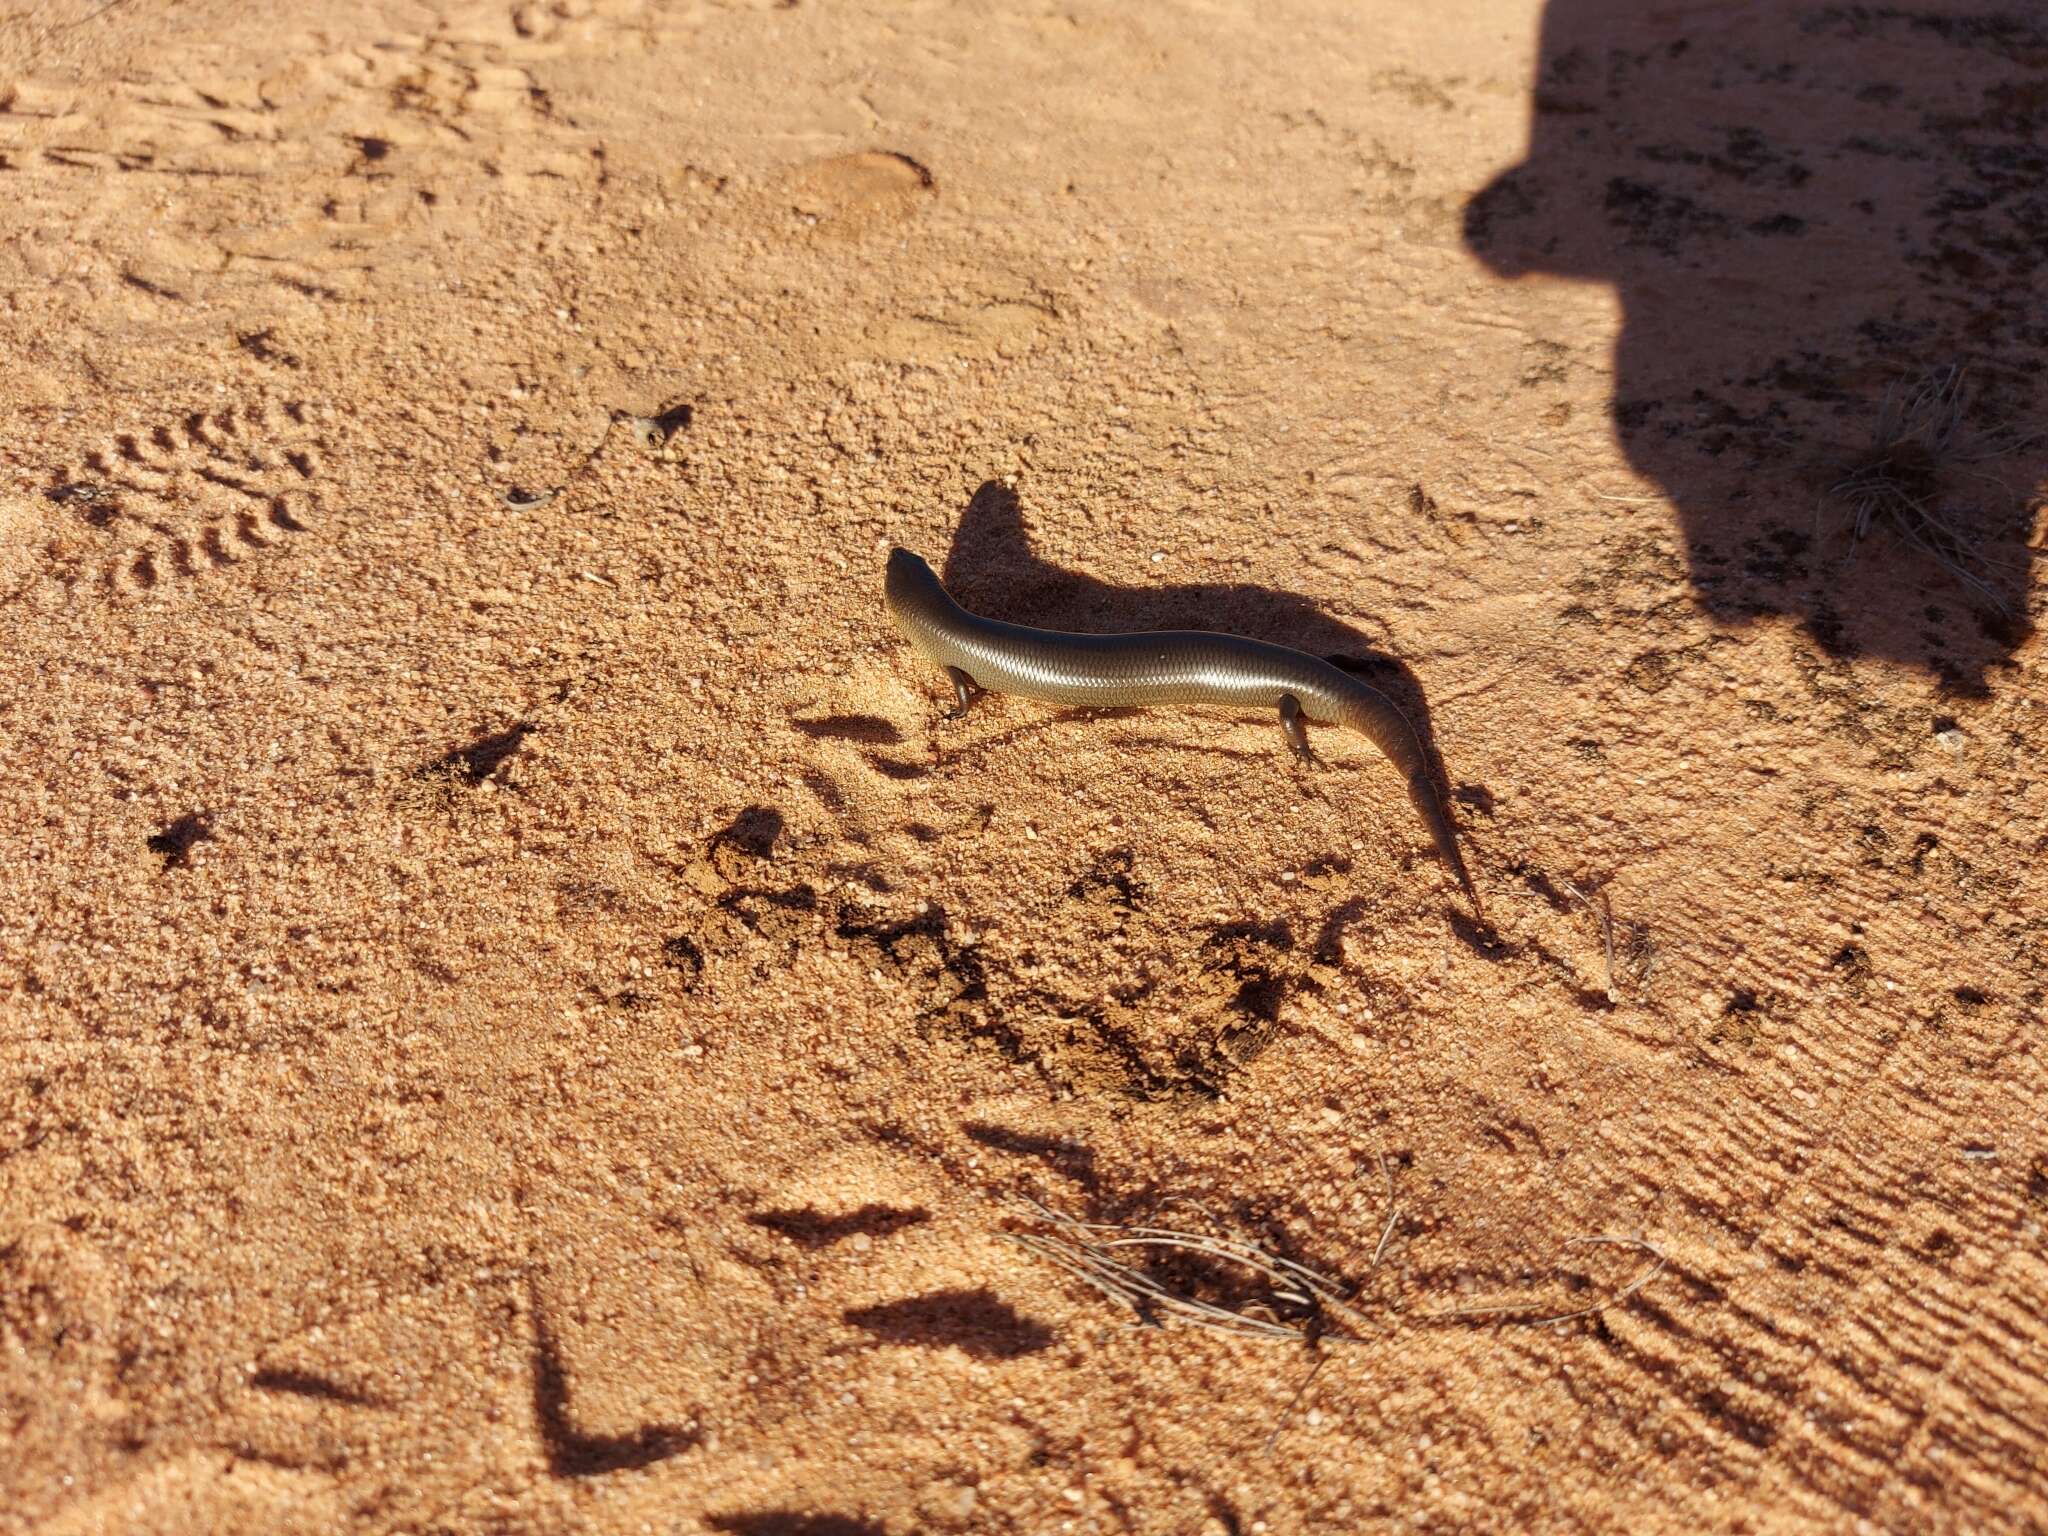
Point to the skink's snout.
(908, 572)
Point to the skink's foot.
(1295, 725)
(963, 692)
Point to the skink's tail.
(1380, 720)
(1422, 790)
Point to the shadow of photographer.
(1827, 226)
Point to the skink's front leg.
(1295, 724)
(963, 692)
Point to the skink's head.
(908, 575)
(903, 563)
(912, 589)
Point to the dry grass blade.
(1297, 1301)
(1605, 913)
(1627, 948)
(1508, 1310)
(1920, 436)
(1145, 1295)
(1294, 1402)
(1393, 1213)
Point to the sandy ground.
(522, 1015)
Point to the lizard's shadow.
(991, 570)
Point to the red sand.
(526, 1018)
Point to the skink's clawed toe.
(1295, 727)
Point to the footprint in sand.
(195, 495)
(853, 194)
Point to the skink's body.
(1173, 666)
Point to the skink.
(1168, 666)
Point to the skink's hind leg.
(963, 692)
(1295, 724)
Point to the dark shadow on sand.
(1804, 208)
